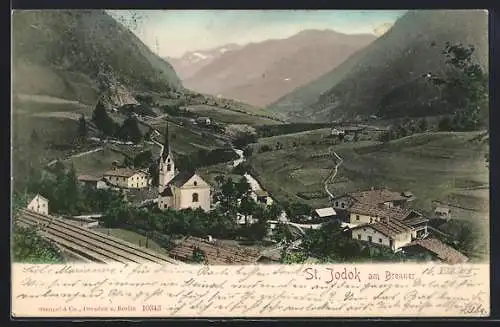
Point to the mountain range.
(385, 77)
(260, 73)
(192, 61)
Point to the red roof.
(443, 251)
(216, 253)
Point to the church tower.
(167, 166)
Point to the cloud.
(382, 29)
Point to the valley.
(238, 143)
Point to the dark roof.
(415, 221)
(379, 211)
(123, 172)
(216, 253)
(389, 228)
(377, 196)
(181, 178)
(167, 191)
(166, 145)
(89, 178)
(444, 252)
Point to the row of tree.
(128, 131)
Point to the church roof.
(167, 191)
(181, 178)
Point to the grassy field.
(209, 173)
(132, 237)
(95, 163)
(434, 166)
(186, 141)
(229, 116)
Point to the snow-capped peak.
(199, 55)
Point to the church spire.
(166, 146)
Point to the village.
(376, 218)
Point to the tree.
(102, 120)
(464, 87)
(198, 255)
(143, 159)
(129, 131)
(28, 247)
(82, 131)
(247, 207)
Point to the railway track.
(94, 246)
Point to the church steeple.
(166, 145)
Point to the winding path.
(329, 179)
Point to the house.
(39, 204)
(127, 178)
(373, 197)
(337, 132)
(391, 233)
(180, 190)
(443, 212)
(214, 252)
(262, 196)
(203, 121)
(437, 250)
(324, 213)
(418, 222)
(93, 181)
(363, 213)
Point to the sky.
(171, 33)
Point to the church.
(180, 190)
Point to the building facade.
(181, 190)
(40, 205)
(127, 178)
(392, 234)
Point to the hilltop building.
(180, 190)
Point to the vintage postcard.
(224, 163)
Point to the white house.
(392, 234)
(39, 204)
(127, 178)
(337, 132)
(203, 120)
(186, 190)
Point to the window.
(369, 239)
(169, 166)
(195, 197)
(343, 205)
(168, 160)
(337, 203)
(165, 206)
(195, 183)
(371, 220)
(380, 240)
(359, 236)
(357, 217)
(391, 243)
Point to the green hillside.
(70, 54)
(385, 78)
